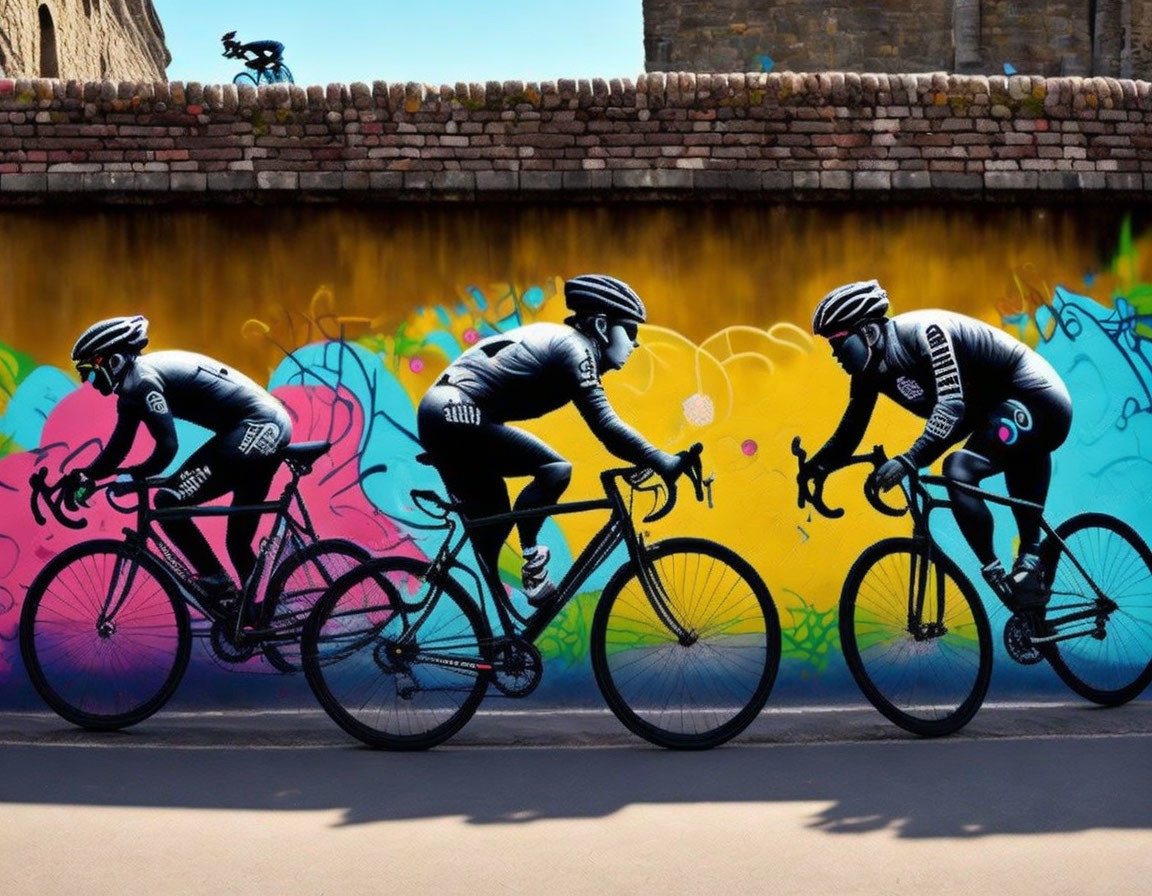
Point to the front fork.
(124, 568)
(658, 597)
(920, 628)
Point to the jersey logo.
(263, 438)
(941, 423)
(156, 403)
(910, 389)
(192, 480)
(1016, 421)
(943, 364)
(462, 412)
(587, 372)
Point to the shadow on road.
(916, 789)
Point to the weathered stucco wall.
(781, 135)
(729, 35)
(93, 39)
(1060, 37)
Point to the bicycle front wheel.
(396, 661)
(245, 78)
(295, 588)
(926, 672)
(695, 692)
(104, 635)
(1109, 661)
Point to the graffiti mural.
(352, 339)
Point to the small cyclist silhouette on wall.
(266, 60)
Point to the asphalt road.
(1028, 799)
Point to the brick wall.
(768, 136)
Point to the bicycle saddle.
(302, 455)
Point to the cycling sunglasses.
(630, 327)
(87, 371)
(835, 339)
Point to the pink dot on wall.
(470, 336)
(416, 365)
(749, 447)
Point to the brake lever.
(807, 493)
(53, 497)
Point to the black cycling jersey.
(952, 370)
(163, 386)
(539, 368)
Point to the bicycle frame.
(288, 527)
(920, 503)
(618, 530)
(916, 488)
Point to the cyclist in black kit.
(970, 381)
(250, 428)
(520, 375)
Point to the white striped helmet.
(848, 305)
(116, 335)
(592, 294)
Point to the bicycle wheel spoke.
(296, 585)
(389, 675)
(703, 689)
(102, 637)
(925, 677)
(1109, 660)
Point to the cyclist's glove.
(77, 487)
(891, 472)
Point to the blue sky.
(435, 41)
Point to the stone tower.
(87, 40)
(1033, 37)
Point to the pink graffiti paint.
(72, 437)
(749, 447)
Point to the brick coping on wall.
(689, 136)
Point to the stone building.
(1034, 37)
(86, 40)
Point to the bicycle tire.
(112, 679)
(898, 673)
(296, 586)
(283, 75)
(352, 633)
(1114, 669)
(631, 648)
(245, 78)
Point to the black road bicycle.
(263, 69)
(105, 631)
(915, 634)
(685, 639)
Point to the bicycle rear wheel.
(294, 589)
(928, 676)
(395, 661)
(1111, 663)
(104, 635)
(245, 78)
(692, 695)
